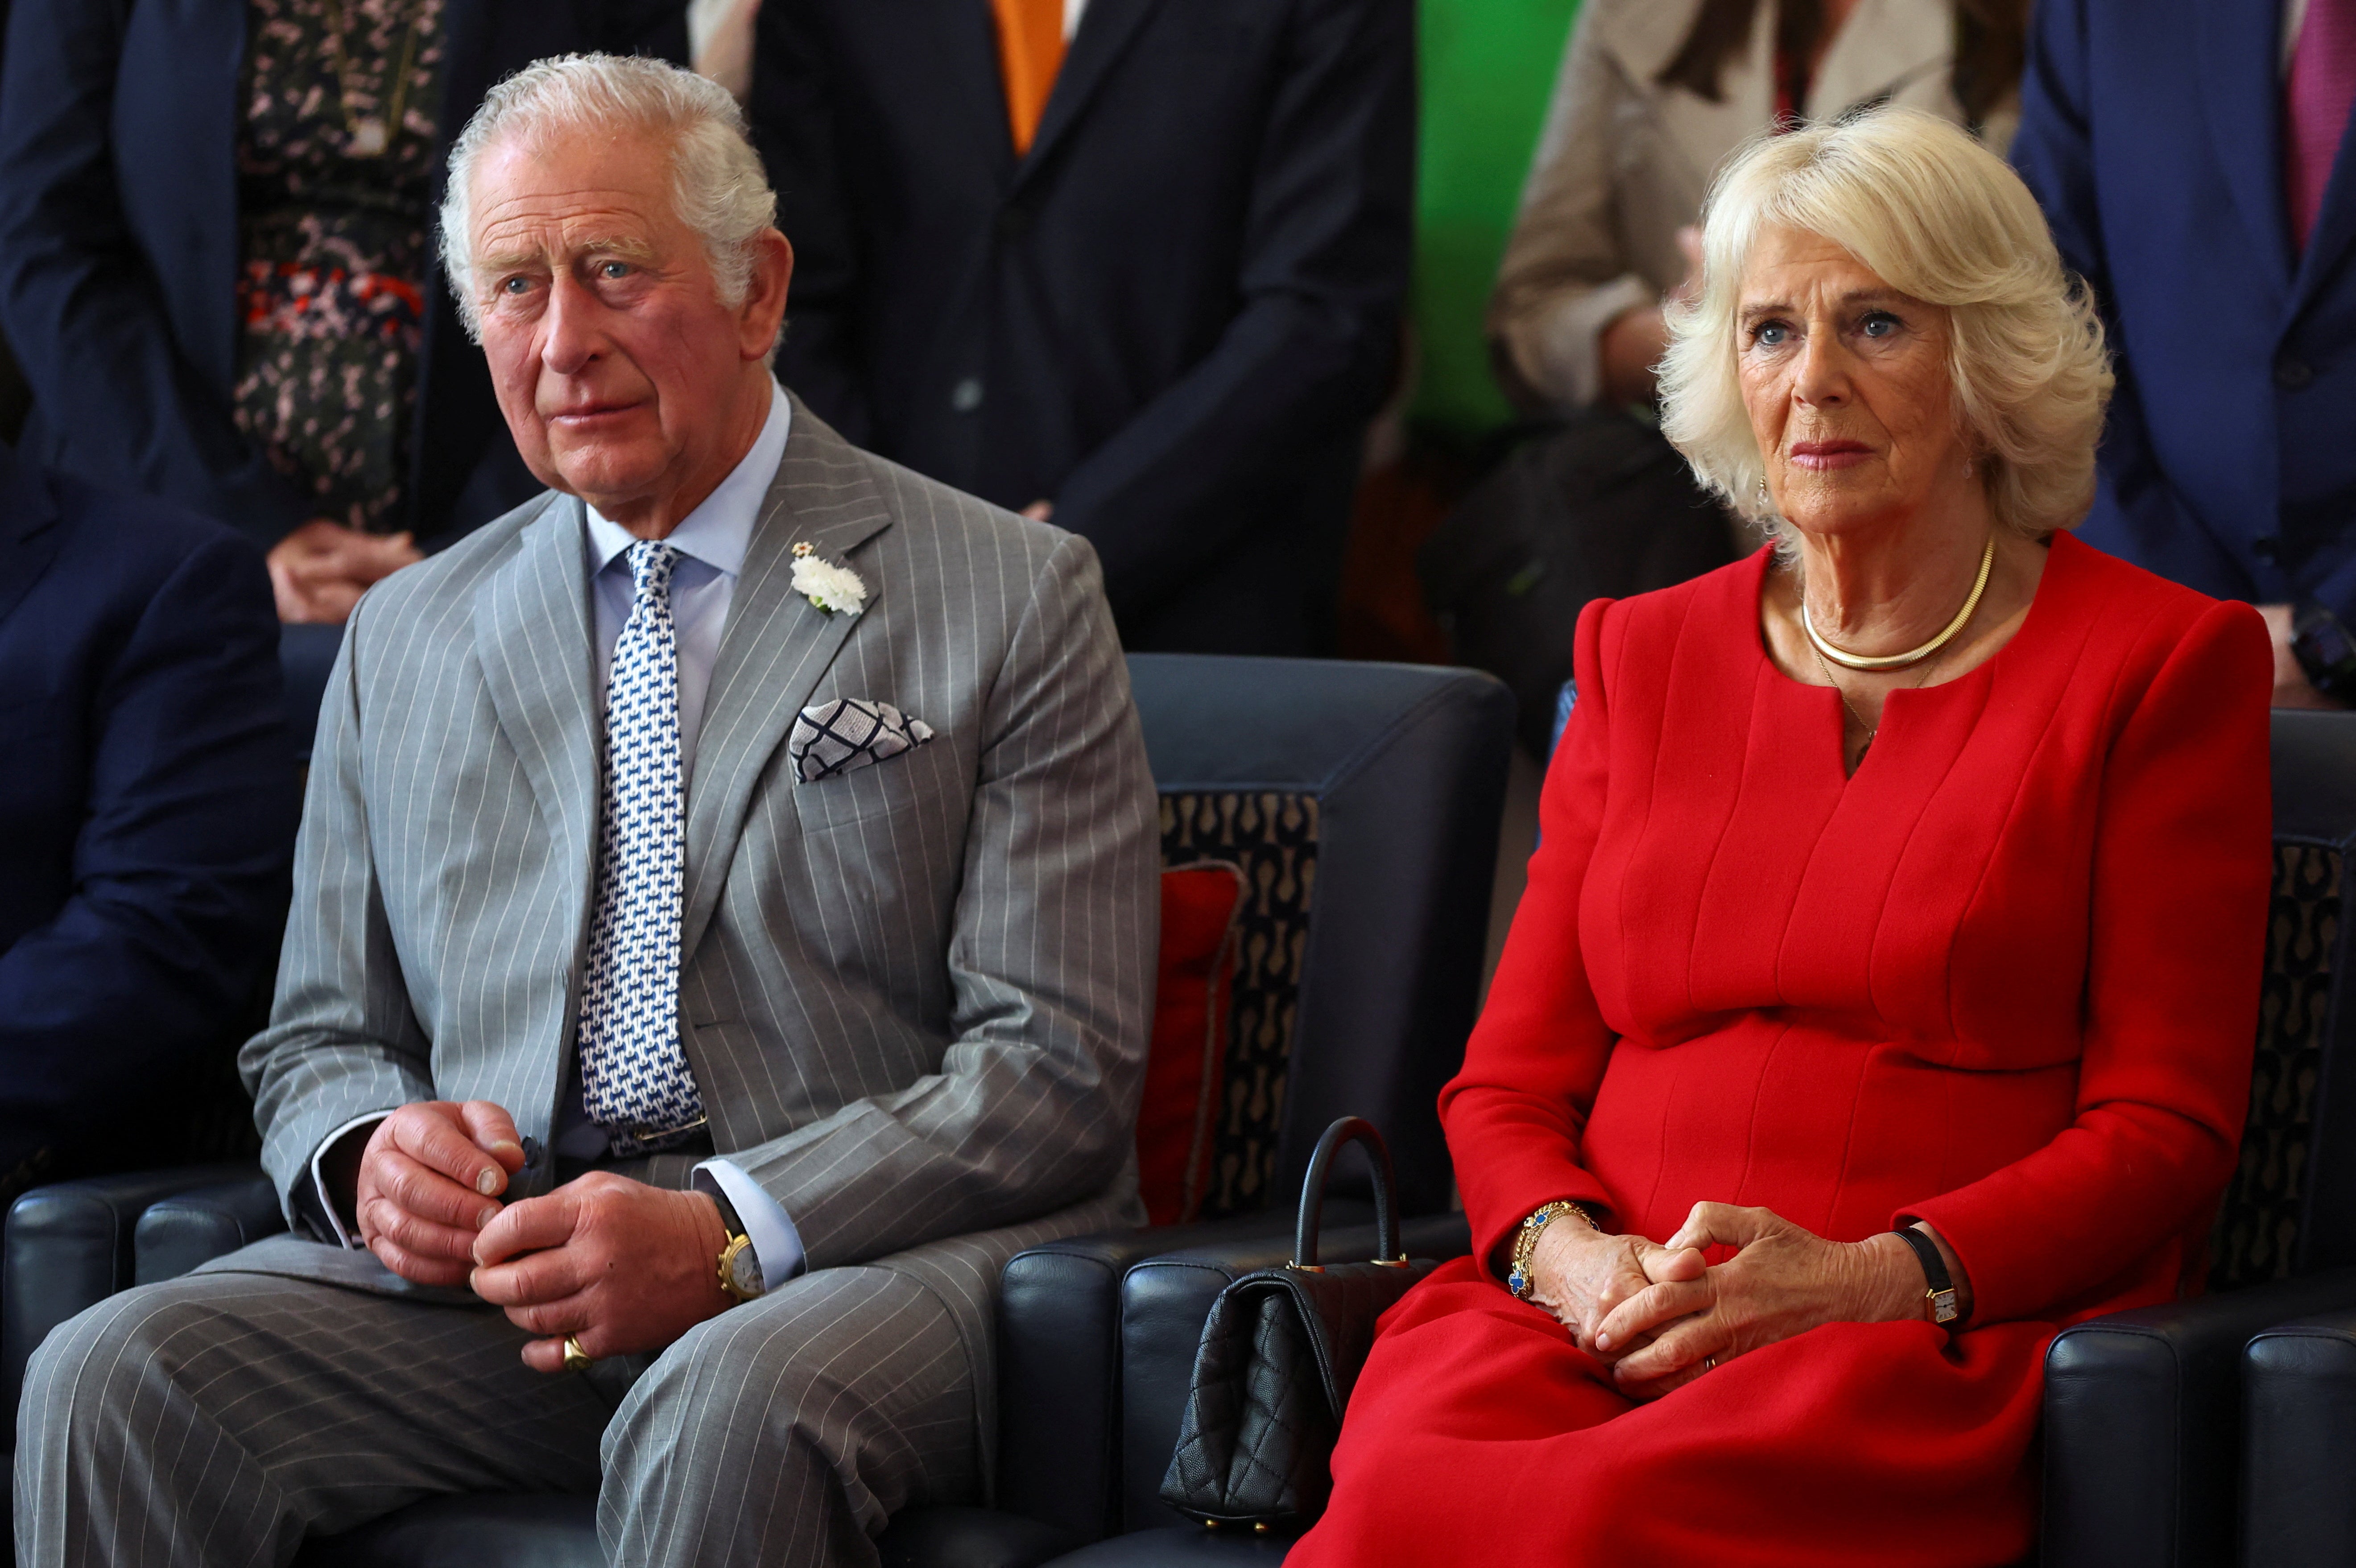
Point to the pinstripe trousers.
(223, 1417)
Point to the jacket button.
(2291, 374)
(966, 395)
(2267, 547)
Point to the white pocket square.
(849, 732)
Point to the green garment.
(1487, 70)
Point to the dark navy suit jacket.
(1172, 317)
(119, 249)
(146, 799)
(2151, 132)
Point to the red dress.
(2005, 979)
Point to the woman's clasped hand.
(1659, 1315)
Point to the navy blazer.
(119, 249)
(149, 798)
(1172, 317)
(2151, 134)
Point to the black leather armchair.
(1362, 801)
(1097, 1334)
(2143, 1409)
(2298, 1449)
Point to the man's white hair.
(718, 188)
(1939, 217)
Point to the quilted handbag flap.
(1279, 1357)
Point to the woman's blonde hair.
(1936, 216)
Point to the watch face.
(744, 1270)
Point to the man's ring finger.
(575, 1361)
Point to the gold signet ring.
(574, 1361)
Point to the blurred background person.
(149, 799)
(1654, 96)
(2184, 154)
(1136, 268)
(214, 265)
(16, 398)
(1485, 69)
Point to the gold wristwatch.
(739, 1266)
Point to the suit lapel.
(2241, 94)
(29, 531)
(775, 648)
(531, 635)
(1106, 29)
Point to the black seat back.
(2291, 1206)
(1363, 801)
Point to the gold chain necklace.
(371, 134)
(1842, 656)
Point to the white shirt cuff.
(777, 1245)
(1569, 342)
(344, 1238)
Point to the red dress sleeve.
(1536, 1057)
(2180, 866)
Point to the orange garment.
(1030, 52)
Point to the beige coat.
(1624, 163)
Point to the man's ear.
(763, 313)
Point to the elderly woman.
(1826, 1075)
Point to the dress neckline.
(2061, 556)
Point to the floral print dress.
(335, 200)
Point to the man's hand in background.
(319, 571)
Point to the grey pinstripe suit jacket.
(915, 996)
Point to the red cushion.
(1200, 904)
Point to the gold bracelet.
(1526, 1242)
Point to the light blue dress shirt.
(711, 541)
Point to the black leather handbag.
(1278, 1357)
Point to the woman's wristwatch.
(1525, 1242)
(1939, 1294)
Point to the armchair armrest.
(69, 1247)
(2298, 1446)
(2143, 1425)
(1166, 1301)
(195, 1227)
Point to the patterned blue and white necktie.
(634, 1080)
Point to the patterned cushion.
(2258, 1219)
(1272, 835)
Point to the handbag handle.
(1349, 1130)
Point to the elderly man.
(739, 860)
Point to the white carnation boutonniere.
(825, 584)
